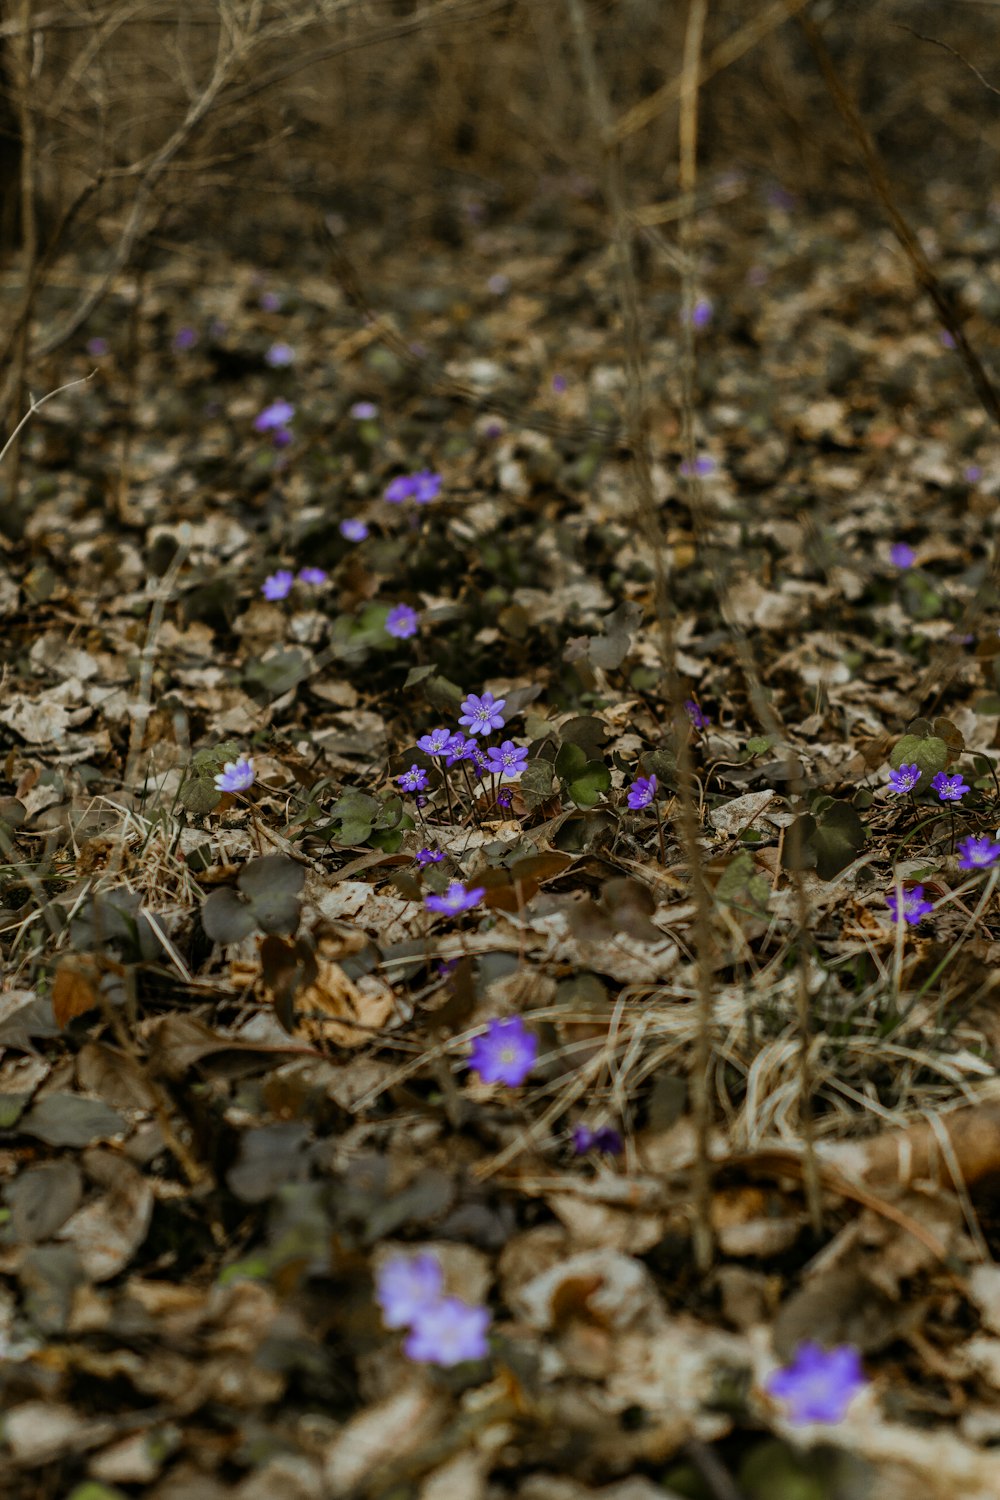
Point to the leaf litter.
(238, 1018)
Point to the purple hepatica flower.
(270, 301)
(819, 1384)
(274, 417)
(96, 347)
(694, 712)
(413, 780)
(914, 907)
(426, 487)
(280, 355)
(604, 1139)
(316, 577)
(353, 529)
(703, 465)
(905, 779)
(429, 857)
(950, 788)
(508, 760)
(434, 743)
(641, 792)
(902, 555)
(499, 284)
(947, 338)
(978, 853)
(559, 384)
(278, 585)
(456, 899)
(503, 799)
(972, 473)
(236, 775)
(400, 489)
(482, 715)
(185, 338)
(701, 313)
(448, 1333)
(401, 622)
(456, 748)
(506, 1053)
(364, 411)
(406, 1286)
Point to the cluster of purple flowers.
(480, 715)
(279, 585)
(275, 419)
(440, 1330)
(421, 488)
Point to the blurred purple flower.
(276, 415)
(819, 1384)
(315, 577)
(413, 780)
(972, 473)
(506, 1053)
(406, 1286)
(236, 775)
(905, 779)
(978, 853)
(96, 347)
(278, 585)
(694, 712)
(701, 313)
(914, 907)
(353, 529)
(499, 284)
(399, 489)
(456, 899)
(506, 760)
(401, 622)
(481, 715)
(280, 355)
(364, 411)
(703, 465)
(641, 792)
(270, 301)
(604, 1139)
(947, 339)
(448, 1333)
(902, 555)
(429, 857)
(559, 384)
(185, 338)
(426, 487)
(950, 788)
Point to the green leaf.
(588, 787)
(570, 761)
(275, 675)
(355, 812)
(839, 838)
(759, 744)
(742, 886)
(927, 751)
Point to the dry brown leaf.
(334, 998)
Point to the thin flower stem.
(659, 834)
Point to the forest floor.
(251, 1083)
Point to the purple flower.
(978, 854)
(429, 857)
(503, 799)
(185, 338)
(456, 748)
(316, 577)
(413, 780)
(280, 355)
(401, 622)
(353, 529)
(456, 899)
(905, 779)
(236, 775)
(426, 487)
(406, 1286)
(972, 473)
(400, 489)
(641, 792)
(701, 313)
(281, 437)
(270, 301)
(605, 1139)
(915, 908)
(434, 743)
(96, 347)
(506, 1053)
(950, 788)
(703, 465)
(559, 384)
(448, 1333)
(947, 339)
(482, 715)
(364, 411)
(275, 416)
(819, 1384)
(902, 555)
(278, 585)
(508, 760)
(694, 712)
(498, 284)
